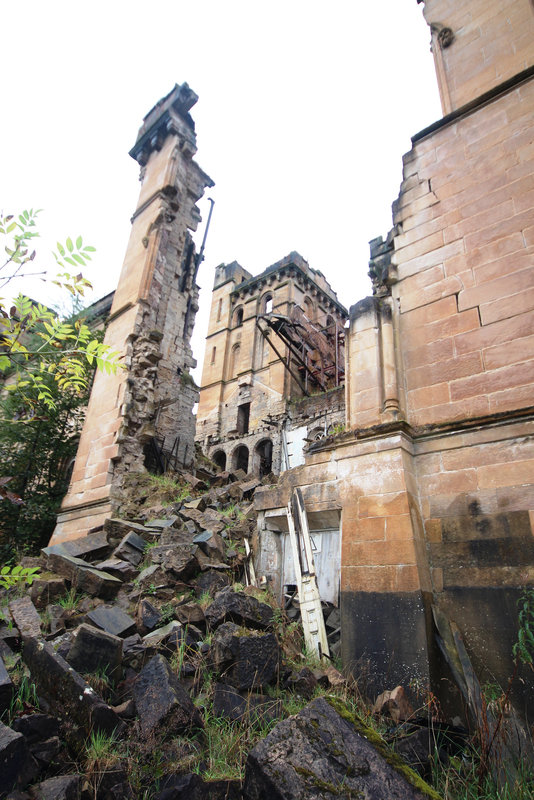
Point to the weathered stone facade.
(248, 395)
(150, 323)
(434, 477)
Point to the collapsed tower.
(147, 405)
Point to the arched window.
(213, 355)
(238, 317)
(240, 458)
(219, 310)
(266, 304)
(307, 306)
(234, 360)
(264, 457)
(219, 458)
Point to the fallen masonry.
(181, 664)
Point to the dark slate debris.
(319, 754)
(162, 703)
(239, 608)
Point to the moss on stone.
(326, 786)
(381, 747)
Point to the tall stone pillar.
(150, 324)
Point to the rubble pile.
(138, 643)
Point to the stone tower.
(249, 380)
(150, 324)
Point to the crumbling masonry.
(421, 497)
(150, 402)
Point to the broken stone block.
(17, 767)
(240, 608)
(94, 649)
(199, 504)
(163, 523)
(190, 614)
(212, 581)
(25, 616)
(115, 566)
(56, 615)
(190, 527)
(162, 703)
(319, 753)
(194, 482)
(64, 787)
(36, 726)
(248, 659)
(131, 548)
(248, 487)
(9, 637)
(6, 688)
(112, 619)
(335, 678)
(134, 652)
(148, 616)
(160, 636)
(395, 704)
(94, 545)
(227, 702)
(45, 590)
(303, 682)
(211, 544)
(83, 577)
(65, 690)
(117, 528)
(45, 751)
(179, 560)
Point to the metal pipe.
(200, 257)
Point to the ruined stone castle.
(409, 431)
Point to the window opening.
(243, 416)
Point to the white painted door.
(326, 546)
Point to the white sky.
(305, 110)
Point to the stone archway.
(263, 460)
(219, 458)
(240, 458)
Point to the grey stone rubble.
(152, 636)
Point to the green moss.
(326, 786)
(381, 747)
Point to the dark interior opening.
(243, 416)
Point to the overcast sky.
(305, 110)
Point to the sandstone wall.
(477, 45)
(150, 325)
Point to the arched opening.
(240, 458)
(266, 304)
(219, 458)
(315, 434)
(264, 457)
(234, 359)
(238, 317)
(307, 306)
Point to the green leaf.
(79, 242)
(70, 246)
(61, 249)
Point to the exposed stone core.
(151, 322)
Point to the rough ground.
(141, 663)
